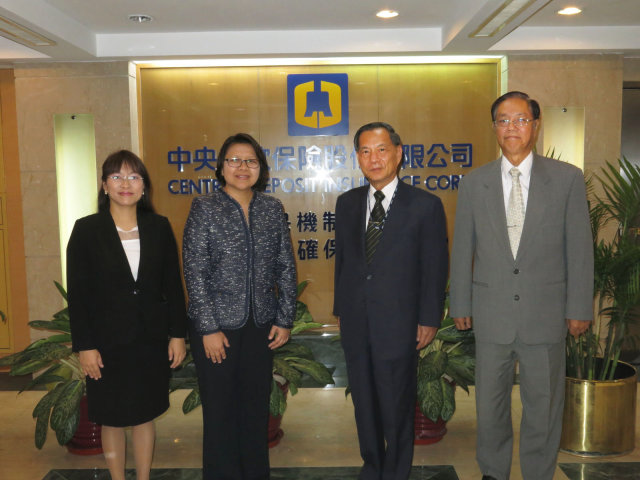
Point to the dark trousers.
(384, 399)
(235, 405)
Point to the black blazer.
(381, 304)
(107, 307)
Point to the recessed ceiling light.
(569, 11)
(140, 18)
(387, 14)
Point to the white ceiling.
(100, 29)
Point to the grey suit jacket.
(551, 279)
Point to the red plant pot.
(87, 440)
(426, 431)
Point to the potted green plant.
(290, 363)
(448, 361)
(600, 388)
(60, 407)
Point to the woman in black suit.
(127, 310)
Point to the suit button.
(516, 297)
(136, 292)
(369, 277)
(516, 271)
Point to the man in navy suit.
(390, 278)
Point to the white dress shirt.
(525, 178)
(388, 191)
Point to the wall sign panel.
(305, 118)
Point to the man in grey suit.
(522, 272)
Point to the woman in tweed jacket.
(241, 279)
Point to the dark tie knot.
(378, 195)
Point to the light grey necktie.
(515, 211)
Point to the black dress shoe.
(488, 477)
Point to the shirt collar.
(387, 189)
(524, 167)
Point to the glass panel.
(76, 174)
(563, 130)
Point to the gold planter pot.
(600, 416)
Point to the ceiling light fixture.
(386, 14)
(140, 18)
(506, 13)
(569, 11)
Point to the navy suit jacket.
(381, 304)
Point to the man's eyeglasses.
(516, 122)
(121, 178)
(236, 162)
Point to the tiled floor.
(319, 432)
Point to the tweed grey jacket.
(227, 262)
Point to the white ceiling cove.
(100, 29)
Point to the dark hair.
(113, 164)
(395, 138)
(534, 107)
(244, 138)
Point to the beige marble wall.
(590, 81)
(103, 90)
(43, 90)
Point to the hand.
(91, 363)
(177, 351)
(463, 323)
(214, 346)
(425, 336)
(278, 336)
(577, 327)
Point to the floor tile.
(433, 472)
(602, 471)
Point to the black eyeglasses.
(236, 162)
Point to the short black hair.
(113, 164)
(395, 138)
(245, 138)
(533, 105)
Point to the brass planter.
(600, 415)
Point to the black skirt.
(134, 387)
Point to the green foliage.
(192, 400)
(290, 363)
(304, 320)
(445, 363)
(277, 400)
(60, 406)
(616, 273)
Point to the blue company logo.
(318, 104)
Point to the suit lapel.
(396, 218)
(361, 219)
(146, 231)
(113, 245)
(495, 205)
(534, 214)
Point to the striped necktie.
(374, 228)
